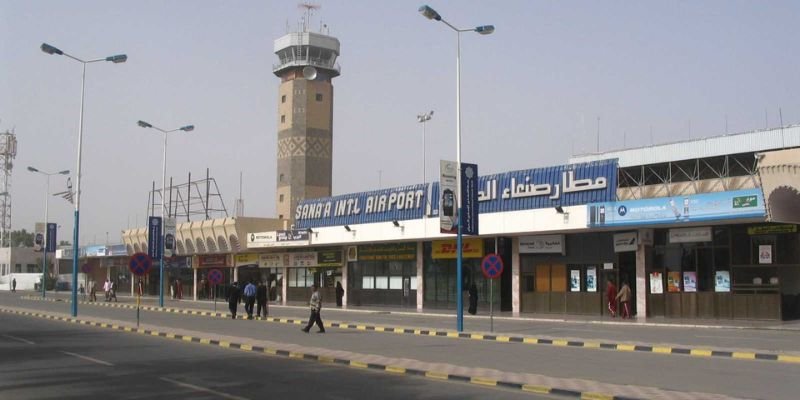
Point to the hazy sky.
(531, 92)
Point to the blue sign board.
(748, 203)
(396, 204)
(154, 244)
(51, 237)
(469, 199)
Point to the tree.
(21, 238)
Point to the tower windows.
(283, 99)
(280, 179)
(280, 199)
(283, 119)
(319, 96)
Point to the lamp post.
(431, 14)
(119, 58)
(46, 216)
(423, 118)
(187, 128)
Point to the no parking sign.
(140, 264)
(492, 266)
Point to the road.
(45, 359)
(731, 377)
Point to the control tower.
(307, 66)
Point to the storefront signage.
(329, 258)
(212, 260)
(305, 259)
(765, 254)
(722, 281)
(284, 238)
(656, 283)
(270, 261)
(625, 241)
(352, 253)
(563, 185)
(690, 235)
(178, 262)
(446, 249)
(396, 204)
(246, 259)
(771, 229)
(674, 210)
(542, 244)
(745, 201)
(387, 252)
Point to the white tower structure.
(8, 151)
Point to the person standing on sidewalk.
(473, 299)
(611, 297)
(233, 299)
(624, 297)
(178, 289)
(316, 307)
(249, 299)
(339, 294)
(261, 299)
(112, 291)
(13, 285)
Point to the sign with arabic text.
(283, 238)
(388, 252)
(542, 244)
(469, 199)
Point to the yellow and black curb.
(584, 395)
(664, 350)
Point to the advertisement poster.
(169, 236)
(38, 238)
(689, 281)
(469, 201)
(656, 283)
(722, 283)
(765, 254)
(448, 204)
(575, 280)
(674, 281)
(52, 229)
(591, 279)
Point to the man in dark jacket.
(261, 299)
(233, 299)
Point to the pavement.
(494, 359)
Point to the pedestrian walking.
(249, 299)
(339, 294)
(473, 299)
(316, 308)
(83, 292)
(13, 285)
(611, 297)
(112, 291)
(93, 292)
(261, 299)
(624, 297)
(106, 288)
(140, 287)
(172, 290)
(233, 299)
(178, 289)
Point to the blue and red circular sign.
(86, 268)
(492, 266)
(215, 276)
(140, 264)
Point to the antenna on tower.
(309, 10)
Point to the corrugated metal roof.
(761, 140)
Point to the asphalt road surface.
(43, 359)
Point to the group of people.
(624, 297)
(176, 289)
(251, 294)
(110, 288)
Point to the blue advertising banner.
(748, 203)
(395, 204)
(51, 237)
(469, 199)
(154, 245)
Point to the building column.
(641, 282)
(284, 287)
(344, 279)
(194, 287)
(133, 285)
(515, 267)
(420, 275)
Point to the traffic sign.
(215, 276)
(140, 264)
(492, 266)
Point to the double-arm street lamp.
(45, 244)
(119, 58)
(431, 14)
(187, 128)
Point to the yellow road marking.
(559, 342)
(224, 344)
(483, 381)
(358, 364)
(536, 389)
(787, 358)
(395, 370)
(436, 375)
(626, 347)
(595, 396)
(700, 352)
(246, 347)
(662, 350)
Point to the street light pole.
(46, 218)
(423, 118)
(116, 59)
(430, 13)
(187, 128)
